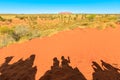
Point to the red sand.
(82, 46)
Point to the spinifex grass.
(21, 27)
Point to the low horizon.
(51, 13)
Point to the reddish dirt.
(82, 46)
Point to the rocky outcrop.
(63, 72)
(106, 72)
(20, 70)
(65, 13)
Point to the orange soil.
(82, 46)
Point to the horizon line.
(60, 12)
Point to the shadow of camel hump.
(63, 71)
(24, 70)
(20, 70)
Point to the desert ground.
(81, 45)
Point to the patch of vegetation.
(5, 30)
(6, 39)
(42, 25)
(2, 19)
(91, 17)
(21, 17)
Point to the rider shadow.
(63, 71)
(105, 72)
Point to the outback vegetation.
(21, 27)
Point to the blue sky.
(56, 6)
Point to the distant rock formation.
(63, 72)
(65, 13)
(106, 72)
(20, 70)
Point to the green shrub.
(21, 17)
(25, 32)
(16, 37)
(2, 19)
(33, 34)
(91, 17)
(21, 30)
(6, 40)
(4, 30)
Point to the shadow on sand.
(24, 70)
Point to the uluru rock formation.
(106, 72)
(63, 72)
(20, 70)
(65, 13)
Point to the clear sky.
(56, 6)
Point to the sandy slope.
(82, 46)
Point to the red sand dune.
(82, 46)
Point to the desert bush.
(111, 24)
(53, 23)
(16, 37)
(74, 26)
(9, 31)
(112, 18)
(2, 19)
(10, 20)
(118, 19)
(6, 40)
(33, 34)
(17, 33)
(32, 21)
(91, 17)
(48, 32)
(25, 32)
(21, 17)
(5, 30)
(84, 24)
(21, 31)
